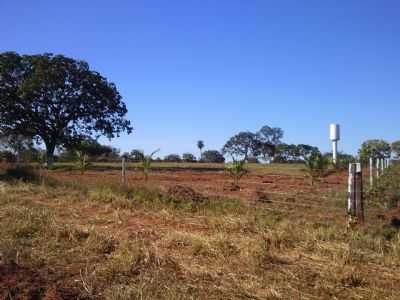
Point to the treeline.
(265, 145)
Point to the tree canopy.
(57, 99)
(396, 149)
(247, 144)
(243, 144)
(374, 148)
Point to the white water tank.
(334, 132)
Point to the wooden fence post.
(123, 173)
(359, 197)
(355, 205)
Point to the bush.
(173, 158)
(316, 165)
(212, 156)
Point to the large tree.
(57, 99)
(242, 145)
(375, 149)
(269, 138)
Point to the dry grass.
(112, 242)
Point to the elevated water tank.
(334, 132)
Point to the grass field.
(77, 236)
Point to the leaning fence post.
(355, 205)
(371, 171)
(123, 171)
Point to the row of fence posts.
(355, 202)
(380, 165)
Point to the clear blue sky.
(191, 70)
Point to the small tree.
(236, 171)
(200, 145)
(316, 165)
(146, 164)
(82, 160)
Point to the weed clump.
(180, 193)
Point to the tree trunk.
(50, 155)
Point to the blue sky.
(191, 70)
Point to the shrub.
(82, 162)
(236, 171)
(316, 165)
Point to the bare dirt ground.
(215, 183)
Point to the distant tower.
(335, 137)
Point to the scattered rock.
(182, 193)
